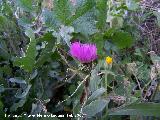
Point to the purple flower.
(85, 53)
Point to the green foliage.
(94, 107)
(99, 40)
(158, 17)
(82, 10)
(86, 24)
(143, 109)
(26, 5)
(97, 94)
(17, 105)
(2, 115)
(132, 5)
(47, 51)
(2, 89)
(50, 19)
(62, 10)
(120, 38)
(95, 79)
(27, 62)
(101, 6)
(3, 50)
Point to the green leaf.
(120, 90)
(117, 22)
(30, 33)
(3, 20)
(86, 24)
(76, 107)
(2, 115)
(122, 39)
(109, 33)
(26, 5)
(48, 50)
(62, 9)
(143, 72)
(157, 14)
(17, 80)
(132, 4)
(96, 94)
(38, 87)
(95, 107)
(15, 106)
(81, 10)
(4, 51)
(34, 74)
(2, 89)
(7, 9)
(28, 61)
(101, 6)
(141, 109)
(50, 19)
(24, 21)
(23, 94)
(100, 42)
(1, 106)
(36, 108)
(25, 63)
(94, 79)
(65, 33)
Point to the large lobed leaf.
(101, 15)
(26, 5)
(142, 109)
(62, 10)
(27, 62)
(81, 10)
(96, 94)
(94, 107)
(120, 38)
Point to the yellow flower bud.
(109, 60)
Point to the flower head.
(109, 60)
(84, 53)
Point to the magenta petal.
(85, 53)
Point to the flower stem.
(106, 81)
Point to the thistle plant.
(85, 53)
